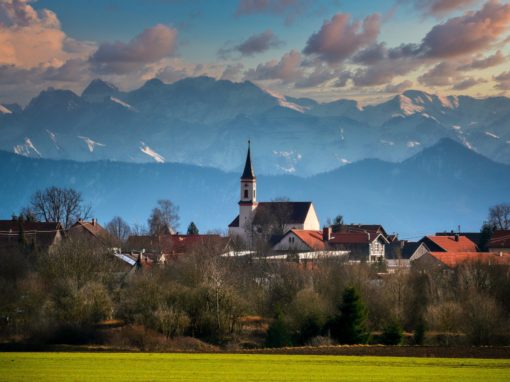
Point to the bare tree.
(499, 216)
(164, 217)
(118, 228)
(55, 204)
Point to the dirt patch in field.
(502, 352)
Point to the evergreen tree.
(485, 235)
(349, 326)
(419, 333)
(192, 229)
(392, 333)
(278, 333)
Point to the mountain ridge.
(407, 197)
(201, 120)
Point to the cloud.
(319, 76)
(290, 9)
(150, 46)
(338, 39)
(441, 7)
(232, 72)
(398, 87)
(467, 34)
(503, 81)
(442, 74)
(29, 38)
(372, 54)
(468, 83)
(259, 43)
(288, 69)
(484, 63)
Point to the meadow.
(243, 367)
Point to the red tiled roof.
(449, 244)
(94, 228)
(184, 243)
(452, 259)
(500, 239)
(312, 239)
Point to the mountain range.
(436, 189)
(206, 122)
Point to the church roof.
(282, 212)
(248, 169)
(287, 212)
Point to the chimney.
(326, 234)
(94, 222)
(456, 237)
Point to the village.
(277, 231)
(275, 279)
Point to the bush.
(419, 333)
(278, 334)
(392, 333)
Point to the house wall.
(312, 221)
(427, 262)
(290, 242)
(420, 251)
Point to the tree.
(164, 218)
(54, 204)
(118, 228)
(192, 229)
(485, 236)
(278, 333)
(499, 216)
(349, 327)
(392, 333)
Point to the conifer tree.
(192, 229)
(349, 326)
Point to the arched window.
(246, 194)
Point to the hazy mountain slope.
(437, 189)
(203, 121)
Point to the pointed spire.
(248, 170)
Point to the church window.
(245, 194)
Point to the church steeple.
(248, 185)
(248, 169)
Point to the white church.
(298, 215)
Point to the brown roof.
(351, 238)
(41, 233)
(500, 239)
(312, 239)
(287, 212)
(172, 244)
(94, 228)
(372, 229)
(451, 244)
(452, 259)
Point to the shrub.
(392, 333)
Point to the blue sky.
(329, 49)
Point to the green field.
(243, 367)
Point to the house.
(266, 217)
(43, 236)
(452, 243)
(298, 240)
(363, 245)
(450, 260)
(473, 236)
(160, 248)
(90, 231)
(500, 241)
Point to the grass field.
(243, 367)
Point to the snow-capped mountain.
(203, 121)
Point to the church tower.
(248, 200)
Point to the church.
(255, 216)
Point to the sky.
(326, 50)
